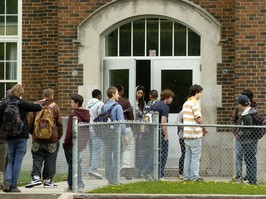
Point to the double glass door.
(175, 74)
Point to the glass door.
(122, 72)
(177, 75)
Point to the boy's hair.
(110, 91)
(17, 90)
(48, 93)
(167, 93)
(154, 94)
(77, 99)
(193, 90)
(248, 93)
(95, 93)
(119, 87)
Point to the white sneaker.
(95, 174)
(162, 179)
(33, 183)
(49, 184)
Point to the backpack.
(258, 120)
(12, 123)
(44, 122)
(147, 118)
(100, 130)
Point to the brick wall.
(49, 55)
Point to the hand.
(166, 136)
(204, 131)
(126, 140)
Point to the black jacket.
(24, 108)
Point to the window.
(152, 37)
(9, 42)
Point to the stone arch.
(92, 29)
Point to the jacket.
(246, 134)
(116, 114)
(24, 108)
(95, 107)
(58, 127)
(237, 115)
(127, 108)
(83, 115)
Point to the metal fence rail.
(218, 159)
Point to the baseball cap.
(243, 100)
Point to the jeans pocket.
(35, 147)
(52, 147)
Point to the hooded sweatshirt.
(83, 115)
(95, 107)
(246, 134)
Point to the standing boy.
(162, 107)
(17, 145)
(44, 151)
(83, 115)
(111, 142)
(193, 135)
(95, 106)
(247, 140)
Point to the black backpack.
(101, 131)
(12, 124)
(258, 120)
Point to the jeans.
(163, 155)
(192, 158)
(95, 151)
(111, 160)
(182, 158)
(68, 154)
(250, 151)
(239, 158)
(16, 151)
(44, 154)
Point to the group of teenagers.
(44, 152)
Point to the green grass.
(25, 178)
(173, 187)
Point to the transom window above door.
(152, 37)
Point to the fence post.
(156, 146)
(75, 154)
(118, 153)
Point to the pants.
(111, 160)
(250, 152)
(68, 154)
(44, 154)
(239, 158)
(192, 158)
(95, 151)
(16, 151)
(163, 155)
(182, 158)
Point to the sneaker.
(14, 190)
(7, 187)
(162, 179)
(180, 176)
(33, 183)
(95, 174)
(49, 184)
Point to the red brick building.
(75, 46)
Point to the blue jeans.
(192, 158)
(16, 151)
(111, 161)
(68, 154)
(239, 158)
(95, 152)
(250, 151)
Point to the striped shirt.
(191, 111)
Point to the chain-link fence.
(114, 159)
(145, 156)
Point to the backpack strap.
(52, 104)
(93, 104)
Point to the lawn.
(184, 187)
